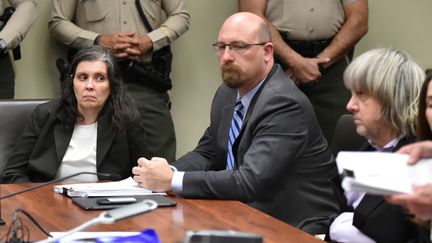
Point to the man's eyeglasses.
(237, 47)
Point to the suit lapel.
(255, 98)
(249, 112)
(366, 207)
(105, 136)
(225, 124)
(336, 183)
(370, 202)
(62, 137)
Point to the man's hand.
(305, 70)
(126, 45)
(419, 203)
(142, 45)
(154, 174)
(417, 151)
(118, 42)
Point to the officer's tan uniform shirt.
(20, 22)
(307, 19)
(78, 22)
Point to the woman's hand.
(417, 151)
(418, 203)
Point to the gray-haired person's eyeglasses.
(237, 46)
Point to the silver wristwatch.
(3, 46)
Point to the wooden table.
(58, 213)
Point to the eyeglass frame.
(237, 49)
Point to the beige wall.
(401, 24)
(398, 23)
(37, 76)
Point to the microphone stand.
(2, 222)
(54, 181)
(109, 217)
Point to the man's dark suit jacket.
(42, 146)
(378, 219)
(282, 164)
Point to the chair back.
(14, 116)
(345, 136)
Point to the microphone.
(105, 175)
(110, 217)
(202, 236)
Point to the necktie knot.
(239, 109)
(239, 104)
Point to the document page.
(381, 173)
(126, 187)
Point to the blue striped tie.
(236, 125)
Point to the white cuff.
(343, 230)
(177, 181)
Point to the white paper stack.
(382, 173)
(126, 187)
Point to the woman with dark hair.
(94, 127)
(419, 203)
(424, 121)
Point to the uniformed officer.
(15, 22)
(312, 39)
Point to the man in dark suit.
(279, 163)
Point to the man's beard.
(232, 76)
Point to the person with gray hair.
(93, 127)
(385, 85)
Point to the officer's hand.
(306, 70)
(143, 45)
(119, 42)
